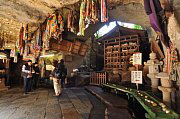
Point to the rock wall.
(174, 28)
(174, 33)
(132, 13)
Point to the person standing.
(27, 76)
(56, 80)
(63, 72)
(35, 75)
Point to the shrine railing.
(98, 78)
(154, 107)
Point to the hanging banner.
(104, 11)
(136, 77)
(137, 59)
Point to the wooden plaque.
(83, 50)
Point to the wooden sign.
(55, 47)
(136, 77)
(65, 46)
(137, 59)
(76, 47)
(83, 49)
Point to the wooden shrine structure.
(4, 69)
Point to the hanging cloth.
(168, 61)
(173, 60)
(73, 28)
(71, 20)
(41, 31)
(69, 24)
(82, 18)
(156, 15)
(45, 34)
(88, 14)
(27, 33)
(50, 24)
(94, 12)
(37, 36)
(36, 46)
(61, 22)
(21, 37)
(104, 11)
(88, 11)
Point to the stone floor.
(74, 103)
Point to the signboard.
(136, 77)
(50, 67)
(83, 49)
(137, 59)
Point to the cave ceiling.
(15, 13)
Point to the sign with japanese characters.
(136, 77)
(137, 59)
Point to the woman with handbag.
(56, 78)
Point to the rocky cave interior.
(15, 13)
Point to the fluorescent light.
(3, 56)
(49, 55)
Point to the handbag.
(56, 74)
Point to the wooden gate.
(98, 78)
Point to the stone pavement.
(74, 103)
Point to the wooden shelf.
(129, 46)
(127, 52)
(111, 43)
(131, 40)
(112, 48)
(114, 57)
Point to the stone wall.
(74, 64)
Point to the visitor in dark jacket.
(27, 76)
(63, 72)
(36, 75)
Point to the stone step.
(116, 107)
(108, 98)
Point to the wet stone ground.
(74, 103)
